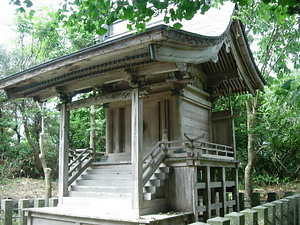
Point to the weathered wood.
(101, 99)
(109, 130)
(137, 150)
(63, 152)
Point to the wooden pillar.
(176, 128)
(63, 152)
(137, 150)
(109, 130)
(223, 192)
(207, 193)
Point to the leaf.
(287, 84)
(177, 25)
(28, 3)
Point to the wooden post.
(236, 218)
(53, 202)
(207, 193)
(7, 207)
(255, 199)
(23, 204)
(251, 216)
(176, 124)
(39, 203)
(63, 152)
(137, 150)
(109, 130)
(242, 201)
(272, 196)
(285, 211)
(292, 209)
(223, 192)
(279, 211)
(235, 193)
(271, 213)
(262, 214)
(195, 192)
(218, 221)
(297, 209)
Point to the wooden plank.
(195, 192)
(137, 151)
(207, 193)
(63, 152)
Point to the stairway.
(104, 187)
(104, 181)
(155, 187)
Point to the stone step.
(107, 176)
(150, 189)
(154, 182)
(115, 189)
(109, 171)
(104, 182)
(110, 195)
(159, 176)
(105, 189)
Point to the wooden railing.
(80, 159)
(194, 149)
(198, 149)
(152, 161)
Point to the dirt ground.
(24, 188)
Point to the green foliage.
(80, 128)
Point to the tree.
(94, 14)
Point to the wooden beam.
(137, 151)
(241, 65)
(63, 152)
(95, 100)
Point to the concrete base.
(81, 216)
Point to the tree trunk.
(251, 120)
(92, 128)
(34, 147)
(42, 156)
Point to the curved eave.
(57, 71)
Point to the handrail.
(152, 161)
(79, 164)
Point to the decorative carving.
(227, 45)
(182, 66)
(215, 58)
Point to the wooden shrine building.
(166, 150)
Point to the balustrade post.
(242, 200)
(218, 221)
(7, 209)
(262, 214)
(272, 196)
(236, 218)
(39, 203)
(53, 202)
(297, 209)
(255, 199)
(279, 211)
(251, 216)
(271, 213)
(292, 210)
(23, 204)
(285, 211)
